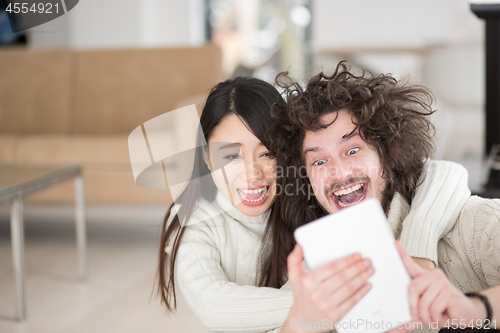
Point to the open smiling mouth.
(253, 196)
(349, 196)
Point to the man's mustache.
(353, 180)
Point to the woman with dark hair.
(216, 234)
(214, 240)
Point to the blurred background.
(72, 90)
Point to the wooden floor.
(122, 250)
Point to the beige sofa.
(63, 107)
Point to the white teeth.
(262, 190)
(253, 191)
(348, 190)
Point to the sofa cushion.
(117, 90)
(8, 145)
(106, 167)
(66, 150)
(35, 91)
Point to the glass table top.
(25, 179)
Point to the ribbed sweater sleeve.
(486, 239)
(221, 305)
(435, 208)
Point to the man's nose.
(340, 171)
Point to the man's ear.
(206, 158)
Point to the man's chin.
(330, 207)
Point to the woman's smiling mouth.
(349, 196)
(253, 196)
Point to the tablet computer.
(362, 228)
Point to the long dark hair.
(391, 116)
(251, 100)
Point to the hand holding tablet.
(323, 296)
(363, 229)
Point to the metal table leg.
(17, 235)
(81, 233)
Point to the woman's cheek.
(218, 178)
(270, 171)
(233, 170)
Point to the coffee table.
(16, 182)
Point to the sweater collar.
(234, 213)
(398, 211)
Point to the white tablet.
(362, 228)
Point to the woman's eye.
(352, 151)
(232, 157)
(319, 162)
(266, 154)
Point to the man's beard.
(387, 195)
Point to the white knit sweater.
(217, 261)
(469, 253)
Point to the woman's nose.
(253, 171)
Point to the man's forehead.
(328, 118)
(340, 126)
(338, 118)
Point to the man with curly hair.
(360, 136)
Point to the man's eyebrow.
(342, 140)
(312, 149)
(347, 137)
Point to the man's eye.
(319, 162)
(352, 151)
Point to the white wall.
(124, 23)
(381, 24)
(105, 23)
(53, 34)
(172, 22)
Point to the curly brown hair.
(392, 117)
